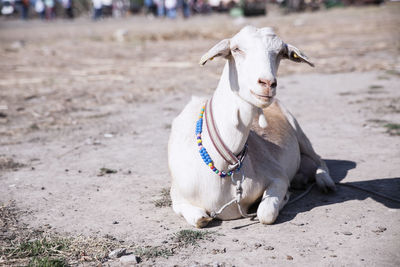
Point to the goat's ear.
(293, 53)
(220, 49)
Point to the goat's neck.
(233, 116)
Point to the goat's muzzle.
(267, 86)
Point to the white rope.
(237, 198)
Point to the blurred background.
(88, 92)
(51, 9)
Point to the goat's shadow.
(338, 170)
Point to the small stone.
(43, 188)
(257, 245)
(235, 240)
(269, 248)
(115, 222)
(380, 229)
(130, 259)
(120, 35)
(288, 257)
(117, 253)
(17, 45)
(347, 233)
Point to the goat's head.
(254, 56)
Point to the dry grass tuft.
(393, 128)
(165, 200)
(186, 238)
(7, 163)
(22, 246)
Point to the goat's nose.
(267, 83)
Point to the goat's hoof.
(203, 221)
(270, 219)
(324, 181)
(267, 215)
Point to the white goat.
(277, 154)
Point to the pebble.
(120, 35)
(347, 233)
(17, 45)
(269, 248)
(117, 253)
(288, 257)
(380, 229)
(130, 259)
(257, 245)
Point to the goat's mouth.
(264, 98)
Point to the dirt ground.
(79, 96)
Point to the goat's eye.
(237, 50)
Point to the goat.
(278, 151)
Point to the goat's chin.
(263, 103)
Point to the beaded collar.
(221, 149)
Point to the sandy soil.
(79, 96)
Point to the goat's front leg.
(195, 216)
(274, 199)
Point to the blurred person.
(185, 6)
(23, 8)
(201, 6)
(49, 5)
(150, 7)
(107, 8)
(160, 7)
(7, 7)
(118, 8)
(97, 9)
(67, 5)
(40, 9)
(170, 7)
